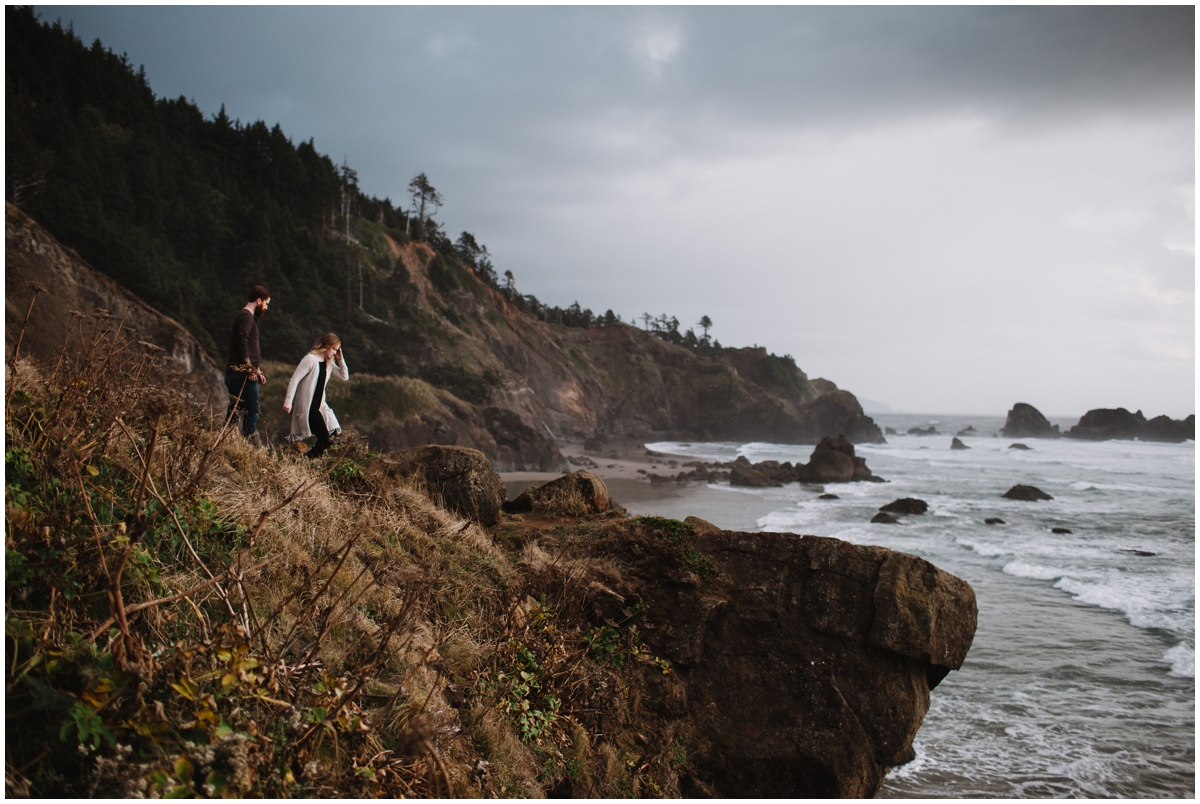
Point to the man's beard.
(258, 312)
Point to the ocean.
(1081, 678)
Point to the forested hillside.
(187, 211)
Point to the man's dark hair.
(258, 292)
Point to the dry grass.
(191, 614)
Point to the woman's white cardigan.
(300, 389)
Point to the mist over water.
(1081, 679)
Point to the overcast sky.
(948, 210)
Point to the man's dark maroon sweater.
(243, 343)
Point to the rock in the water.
(931, 430)
(1019, 446)
(751, 478)
(1060, 530)
(1026, 421)
(829, 497)
(889, 431)
(1027, 493)
(834, 461)
(993, 520)
(457, 478)
(885, 519)
(1103, 424)
(747, 475)
(1164, 428)
(969, 430)
(907, 505)
(576, 494)
(855, 636)
(1137, 552)
(956, 444)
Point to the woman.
(311, 415)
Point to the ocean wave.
(983, 549)
(1037, 572)
(1088, 485)
(1182, 659)
(1168, 604)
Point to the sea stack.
(1026, 421)
(1103, 424)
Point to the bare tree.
(427, 201)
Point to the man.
(242, 376)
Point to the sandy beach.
(624, 466)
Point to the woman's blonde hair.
(326, 341)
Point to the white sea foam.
(984, 549)
(1076, 728)
(1182, 659)
(1021, 569)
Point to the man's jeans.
(248, 405)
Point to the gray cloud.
(994, 194)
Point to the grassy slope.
(357, 640)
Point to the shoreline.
(623, 465)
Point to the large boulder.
(458, 479)
(833, 461)
(802, 665)
(957, 444)
(576, 494)
(1026, 421)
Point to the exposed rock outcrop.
(457, 478)
(928, 431)
(883, 518)
(31, 254)
(576, 494)
(956, 444)
(1103, 424)
(834, 461)
(803, 665)
(437, 417)
(1026, 421)
(743, 474)
(1026, 493)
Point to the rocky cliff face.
(32, 255)
(616, 380)
(488, 376)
